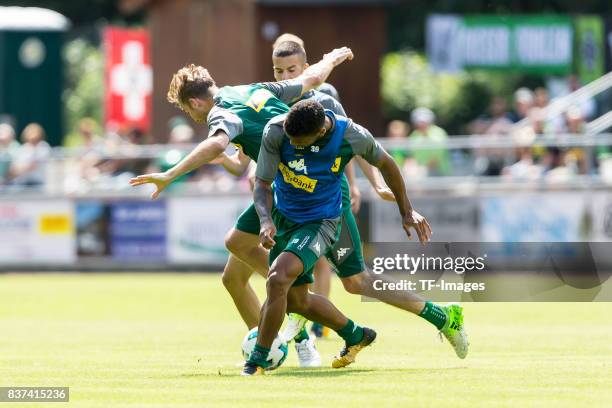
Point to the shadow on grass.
(319, 372)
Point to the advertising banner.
(590, 48)
(452, 219)
(522, 43)
(138, 231)
(557, 217)
(37, 232)
(197, 227)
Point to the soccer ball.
(278, 351)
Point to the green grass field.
(144, 340)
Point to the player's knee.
(233, 243)
(277, 283)
(230, 281)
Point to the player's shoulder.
(219, 112)
(274, 130)
(329, 89)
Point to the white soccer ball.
(278, 351)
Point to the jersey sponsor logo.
(342, 251)
(304, 242)
(336, 165)
(298, 165)
(297, 181)
(258, 99)
(295, 241)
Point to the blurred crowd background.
(498, 113)
(418, 106)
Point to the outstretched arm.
(375, 179)
(236, 164)
(410, 218)
(364, 145)
(317, 73)
(204, 153)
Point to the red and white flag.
(128, 78)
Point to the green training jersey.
(242, 111)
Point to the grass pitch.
(166, 340)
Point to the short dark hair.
(289, 48)
(305, 118)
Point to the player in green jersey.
(289, 60)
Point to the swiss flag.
(128, 78)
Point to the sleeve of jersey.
(225, 121)
(287, 91)
(336, 107)
(363, 143)
(269, 154)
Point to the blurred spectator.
(574, 124)
(398, 130)
(558, 167)
(523, 101)
(8, 148)
(435, 159)
(524, 168)
(588, 107)
(541, 97)
(88, 137)
(495, 122)
(121, 170)
(29, 163)
(537, 119)
(180, 135)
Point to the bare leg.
(246, 247)
(315, 307)
(235, 278)
(322, 278)
(363, 284)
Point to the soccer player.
(325, 87)
(289, 61)
(238, 115)
(304, 154)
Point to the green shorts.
(346, 255)
(308, 241)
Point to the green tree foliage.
(84, 91)
(407, 82)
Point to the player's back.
(254, 105)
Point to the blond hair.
(287, 37)
(191, 81)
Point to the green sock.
(351, 333)
(434, 314)
(259, 356)
(301, 336)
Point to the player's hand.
(355, 200)
(420, 225)
(339, 55)
(266, 234)
(385, 193)
(161, 181)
